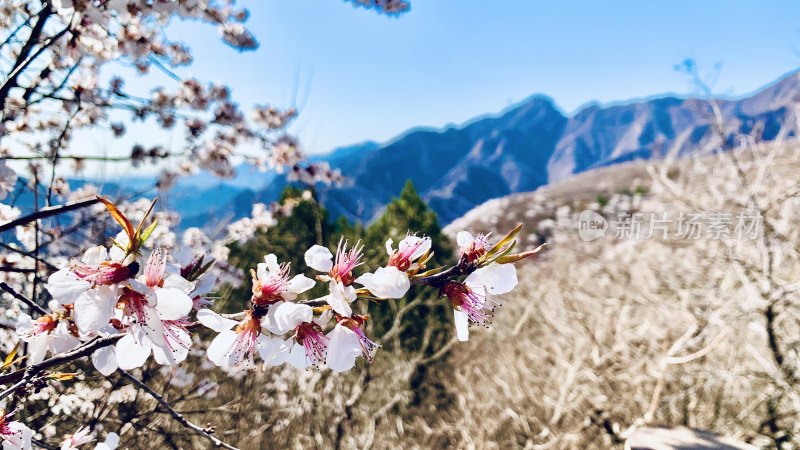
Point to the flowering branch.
(84, 350)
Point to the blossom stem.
(178, 416)
(440, 279)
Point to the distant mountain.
(528, 145)
(533, 143)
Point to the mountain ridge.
(527, 145)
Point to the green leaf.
(503, 242)
(146, 215)
(148, 231)
(505, 259)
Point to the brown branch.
(12, 269)
(23, 58)
(79, 352)
(178, 416)
(47, 212)
(31, 304)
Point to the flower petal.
(61, 339)
(274, 351)
(214, 321)
(299, 284)
(462, 325)
(464, 238)
(410, 241)
(66, 287)
(272, 263)
(297, 357)
(37, 348)
(319, 258)
(389, 245)
(152, 329)
(289, 315)
(175, 281)
(340, 298)
(343, 349)
(95, 308)
(220, 348)
(111, 442)
(496, 278)
(386, 282)
(18, 438)
(131, 353)
(95, 255)
(173, 304)
(177, 349)
(105, 360)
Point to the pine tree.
(410, 213)
(288, 239)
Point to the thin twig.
(48, 212)
(30, 303)
(178, 416)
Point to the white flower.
(386, 282)
(155, 304)
(8, 213)
(233, 348)
(473, 301)
(272, 283)
(408, 251)
(43, 334)
(471, 247)
(306, 347)
(73, 441)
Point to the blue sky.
(360, 76)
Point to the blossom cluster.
(146, 304)
(53, 60)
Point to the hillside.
(606, 336)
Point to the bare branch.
(178, 416)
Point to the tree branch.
(79, 352)
(178, 416)
(48, 212)
(30, 303)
